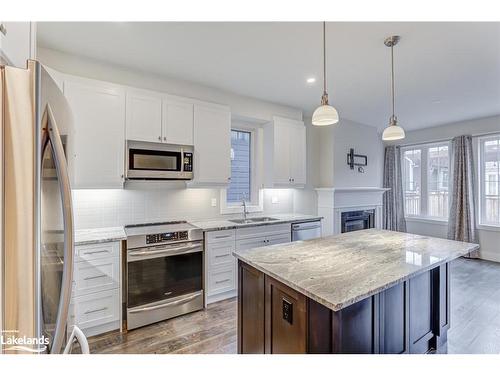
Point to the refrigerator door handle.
(79, 336)
(52, 137)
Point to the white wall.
(334, 144)
(488, 239)
(154, 203)
(240, 105)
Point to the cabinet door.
(143, 116)
(281, 154)
(212, 145)
(99, 115)
(177, 122)
(17, 43)
(298, 154)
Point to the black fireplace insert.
(357, 220)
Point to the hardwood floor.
(475, 321)
(475, 307)
(210, 331)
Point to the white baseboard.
(222, 296)
(489, 255)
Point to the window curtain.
(461, 220)
(393, 206)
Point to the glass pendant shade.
(393, 133)
(325, 115)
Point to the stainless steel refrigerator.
(37, 218)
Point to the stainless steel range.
(163, 272)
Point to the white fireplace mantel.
(333, 201)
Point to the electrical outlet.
(214, 202)
(274, 200)
(287, 311)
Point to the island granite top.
(338, 271)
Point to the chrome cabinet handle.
(222, 281)
(3, 29)
(51, 136)
(173, 303)
(225, 236)
(94, 277)
(159, 137)
(96, 252)
(95, 310)
(222, 256)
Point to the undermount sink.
(253, 220)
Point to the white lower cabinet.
(95, 303)
(222, 267)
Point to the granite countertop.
(99, 235)
(220, 224)
(340, 270)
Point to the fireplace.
(357, 220)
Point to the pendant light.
(325, 114)
(393, 132)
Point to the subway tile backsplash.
(154, 203)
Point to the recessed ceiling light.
(311, 80)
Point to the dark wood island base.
(412, 316)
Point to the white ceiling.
(445, 72)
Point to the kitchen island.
(371, 291)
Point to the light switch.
(274, 200)
(214, 202)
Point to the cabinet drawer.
(96, 309)
(97, 251)
(221, 279)
(220, 236)
(250, 243)
(96, 276)
(279, 238)
(220, 253)
(262, 231)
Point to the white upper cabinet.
(17, 42)
(177, 122)
(144, 116)
(285, 153)
(212, 145)
(99, 118)
(298, 154)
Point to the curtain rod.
(475, 135)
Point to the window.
(246, 163)
(240, 186)
(425, 171)
(489, 169)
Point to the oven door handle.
(178, 250)
(173, 303)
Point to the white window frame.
(483, 224)
(256, 192)
(424, 147)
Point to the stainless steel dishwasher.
(306, 230)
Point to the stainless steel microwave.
(159, 161)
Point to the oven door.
(163, 272)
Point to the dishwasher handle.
(306, 225)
